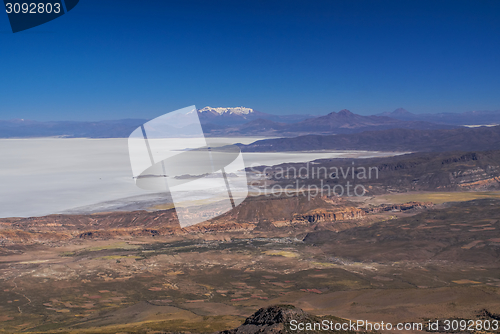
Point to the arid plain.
(391, 255)
(389, 262)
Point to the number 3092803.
(33, 8)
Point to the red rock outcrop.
(284, 211)
(320, 215)
(399, 207)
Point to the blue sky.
(112, 59)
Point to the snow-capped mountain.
(229, 116)
(226, 111)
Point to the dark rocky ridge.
(399, 140)
(447, 171)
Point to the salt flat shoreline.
(55, 175)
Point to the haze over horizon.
(395, 112)
(103, 61)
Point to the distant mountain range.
(20, 128)
(481, 117)
(402, 140)
(241, 121)
(215, 120)
(334, 123)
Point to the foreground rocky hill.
(277, 319)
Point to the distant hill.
(399, 113)
(460, 139)
(347, 122)
(481, 117)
